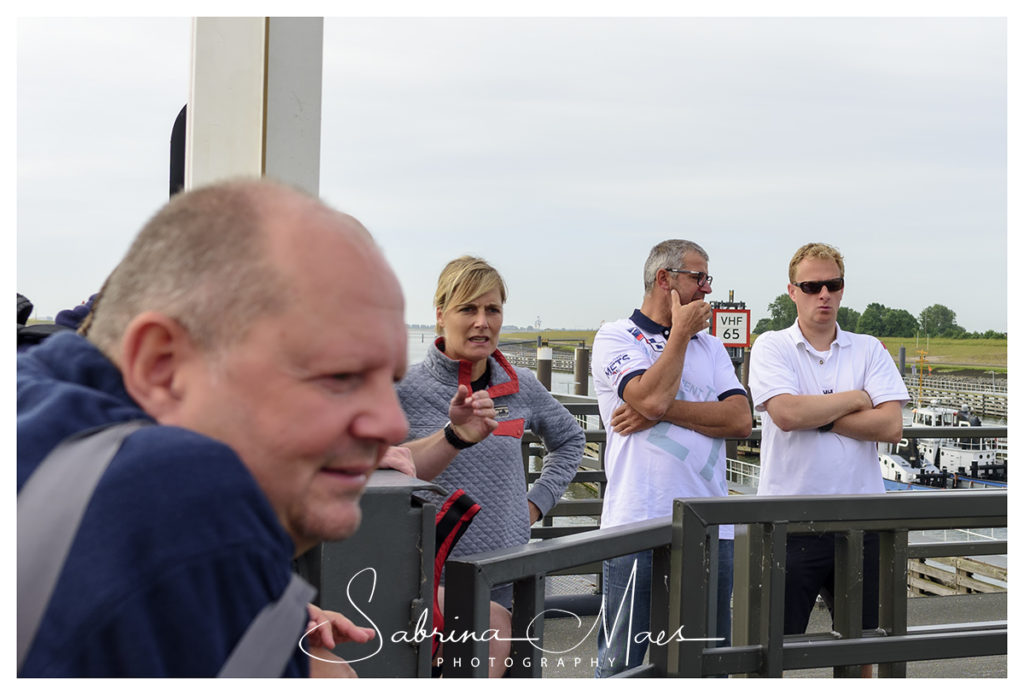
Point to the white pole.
(255, 100)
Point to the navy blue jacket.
(178, 550)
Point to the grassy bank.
(944, 354)
(554, 337)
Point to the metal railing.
(469, 580)
(763, 526)
(685, 551)
(585, 409)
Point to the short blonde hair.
(816, 250)
(464, 279)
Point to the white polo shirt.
(811, 462)
(647, 470)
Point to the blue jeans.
(612, 647)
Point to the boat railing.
(972, 443)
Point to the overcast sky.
(561, 150)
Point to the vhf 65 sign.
(732, 326)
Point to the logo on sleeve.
(657, 343)
(616, 365)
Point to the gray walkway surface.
(561, 634)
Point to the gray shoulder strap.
(46, 529)
(272, 638)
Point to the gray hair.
(668, 254)
(201, 260)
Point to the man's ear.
(792, 289)
(156, 354)
(661, 279)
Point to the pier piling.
(543, 363)
(581, 370)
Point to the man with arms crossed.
(669, 396)
(827, 397)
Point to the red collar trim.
(465, 370)
(509, 387)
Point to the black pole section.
(178, 153)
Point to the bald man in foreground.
(255, 334)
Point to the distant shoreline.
(947, 356)
(972, 357)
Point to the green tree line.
(878, 320)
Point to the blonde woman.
(468, 408)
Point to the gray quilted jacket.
(492, 470)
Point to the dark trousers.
(810, 570)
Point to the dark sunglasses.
(814, 286)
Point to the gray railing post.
(692, 585)
(759, 570)
(774, 573)
(467, 617)
(527, 621)
(661, 602)
(892, 593)
(747, 574)
(848, 592)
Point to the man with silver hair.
(669, 397)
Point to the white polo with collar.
(811, 462)
(647, 470)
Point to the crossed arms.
(728, 418)
(850, 412)
(648, 402)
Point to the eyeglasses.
(703, 279)
(814, 286)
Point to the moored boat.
(959, 461)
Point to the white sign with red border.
(731, 326)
